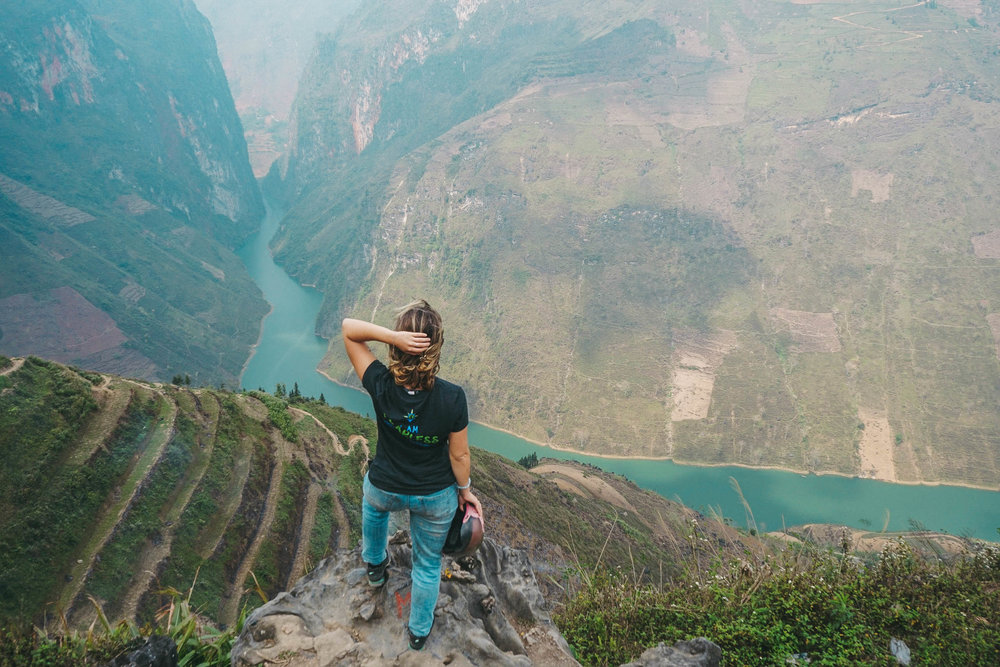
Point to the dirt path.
(154, 555)
(231, 601)
(17, 362)
(304, 536)
(337, 445)
(155, 445)
(908, 34)
(354, 440)
(333, 436)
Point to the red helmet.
(465, 534)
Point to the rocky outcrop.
(490, 611)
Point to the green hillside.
(118, 489)
(121, 493)
(732, 233)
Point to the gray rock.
(698, 652)
(158, 651)
(490, 612)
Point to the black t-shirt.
(413, 429)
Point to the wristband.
(463, 488)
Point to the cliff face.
(264, 45)
(673, 231)
(129, 99)
(125, 184)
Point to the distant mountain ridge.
(124, 187)
(755, 234)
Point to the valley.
(733, 234)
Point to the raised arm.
(461, 466)
(358, 333)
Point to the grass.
(143, 522)
(826, 608)
(44, 531)
(277, 553)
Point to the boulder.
(698, 652)
(158, 651)
(490, 611)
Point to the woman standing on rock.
(422, 461)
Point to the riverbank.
(694, 464)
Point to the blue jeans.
(430, 519)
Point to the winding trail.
(351, 442)
(909, 33)
(17, 362)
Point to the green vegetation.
(197, 644)
(150, 248)
(277, 553)
(830, 609)
(277, 410)
(143, 522)
(321, 539)
(48, 506)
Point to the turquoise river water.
(289, 352)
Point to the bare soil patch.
(877, 184)
(593, 486)
(871, 542)
(811, 332)
(987, 246)
(60, 324)
(993, 319)
(875, 449)
(696, 358)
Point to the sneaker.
(376, 573)
(417, 643)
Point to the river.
(289, 352)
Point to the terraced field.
(123, 489)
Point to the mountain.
(124, 187)
(117, 488)
(264, 46)
(754, 233)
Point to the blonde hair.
(417, 372)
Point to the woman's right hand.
(467, 496)
(411, 342)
